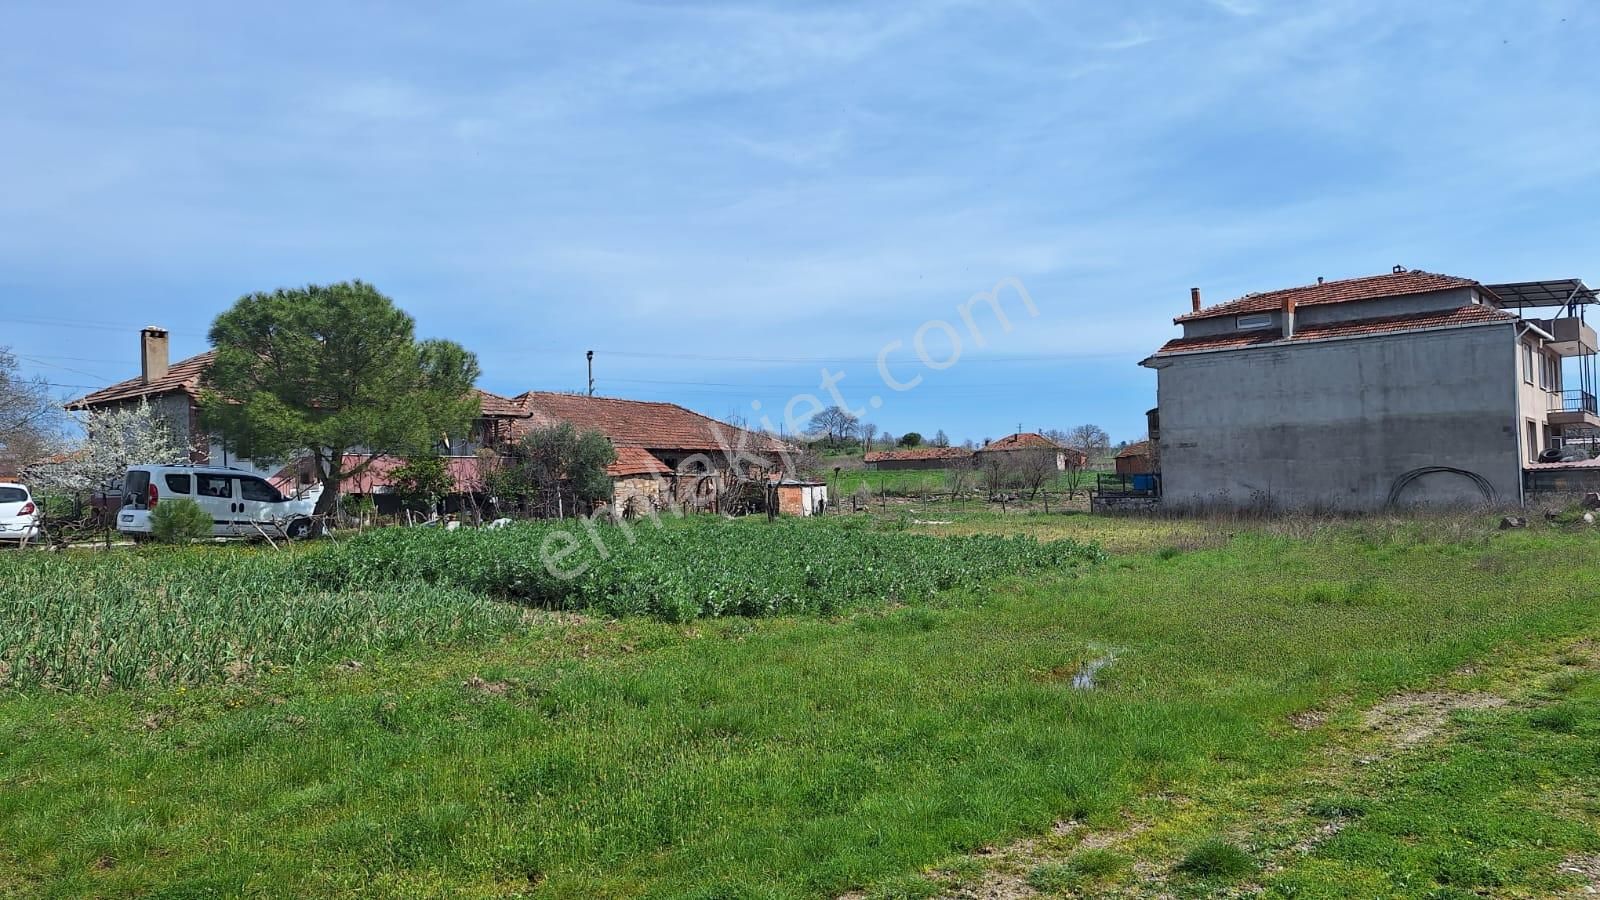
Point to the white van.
(238, 501)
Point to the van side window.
(178, 484)
(256, 489)
(215, 485)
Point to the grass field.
(872, 747)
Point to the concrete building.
(1405, 388)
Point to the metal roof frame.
(1567, 293)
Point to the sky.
(739, 204)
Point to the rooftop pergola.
(1570, 294)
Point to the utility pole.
(590, 356)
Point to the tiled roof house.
(1407, 387)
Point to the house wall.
(1134, 465)
(643, 491)
(1334, 424)
(801, 499)
(1534, 399)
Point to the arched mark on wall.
(1484, 487)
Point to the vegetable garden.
(84, 620)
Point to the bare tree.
(1090, 440)
(995, 472)
(1033, 470)
(30, 422)
(1076, 473)
(887, 440)
(869, 431)
(835, 425)
(958, 476)
(940, 439)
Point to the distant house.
(666, 454)
(917, 458)
(1026, 444)
(1402, 388)
(1136, 459)
(173, 391)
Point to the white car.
(240, 504)
(20, 517)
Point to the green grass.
(1218, 860)
(1496, 810)
(919, 482)
(789, 756)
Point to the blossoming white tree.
(112, 441)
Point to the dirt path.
(1269, 814)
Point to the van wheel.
(297, 529)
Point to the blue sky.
(723, 198)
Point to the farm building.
(1026, 444)
(797, 497)
(1136, 459)
(917, 458)
(666, 455)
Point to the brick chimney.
(153, 354)
(1194, 299)
(1288, 317)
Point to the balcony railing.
(1573, 401)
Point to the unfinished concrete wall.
(1335, 424)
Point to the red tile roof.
(636, 423)
(636, 461)
(496, 405)
(183, 375)
(916, 453)
(1024, 441)
(1393, 284)
(1137, 448)
(465, 473)
(1455, 318)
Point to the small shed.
(797, 497)
(1136, 459)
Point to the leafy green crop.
(184, 615)
(685, 570)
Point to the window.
(1533, 441)
(1527, 362)
(1258, 320)
(215, 486)
(13, 495)
(256, 489)
(136, 489)
(179, 484)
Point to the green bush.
(179, 522)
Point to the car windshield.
(13, 495)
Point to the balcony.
(1574, 408)
(1573, 336)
